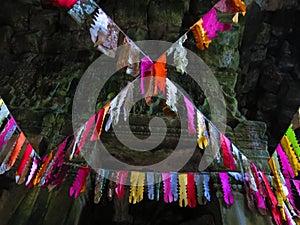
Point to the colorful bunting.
(177, 186)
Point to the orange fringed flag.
(239, 6)
(160, 72)
(201, 37)
(43, 168)
(17, 149)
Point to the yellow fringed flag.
(182, 180)
(286, 145)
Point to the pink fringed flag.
(190, 113)
(60, 176)
(287, 170)
(63, 3)
(228, 196)
(260, 194)
(79, 183)
(85, 134)
(272, 199)
(168, 197)
(57, 162)
(228, 158)
(290, 195)
(8, 131)
(211, 24)
(146, 76)
(297, 185)
(120, 189)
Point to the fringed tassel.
(120, 189)
(231, 6)
(293, 140)
(129, 101)
(85, 134)
(182, 180)
(228, 197)
(171, 100)
(146, 76)
(191, 192)
(33, 170)
(160, 74)
(228, 158)
(129, 57)
(180, 59)
(272, 199)
(133, 196)
(200, 35)
(7, 133)
(174, 185)
(294, 162)
(287, 170)
(100, 184)
(151, 187)
(104, 33)
(260, 194)
(211, 24)
(200, 191)
(168, 197)
(14, 153)
(59, 178)
(79, 183)
(206, 179)
(99, 123)
(157, 180)
(46, 160)
(191, 114)
(202, 134)
(28, 151)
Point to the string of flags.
(187, 189)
